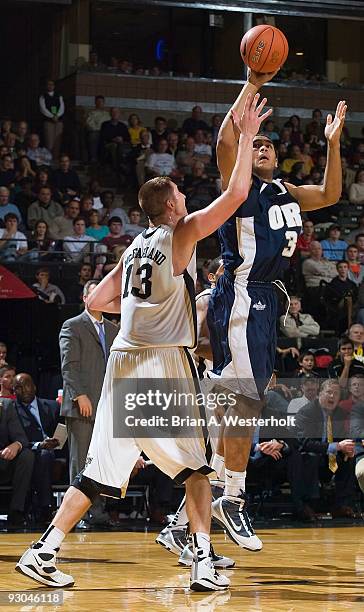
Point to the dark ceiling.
(348, 9)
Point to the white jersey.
(157, 308)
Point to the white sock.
(234, 482)
(53, 537)
(180, 519)
(201, 541)
(218, 465)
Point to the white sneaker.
(231, 513)
(38, 562)
(204, 577)
(173, 539)
(219, 561)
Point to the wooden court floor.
(311, 570)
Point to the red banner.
(11, 287)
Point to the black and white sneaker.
(218, 561)
(38, 562)
(204, 577)
(174, 539)
(231, 514)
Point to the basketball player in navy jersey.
(256, 242)
(151, 286)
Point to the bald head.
(315, 249)
(24, 388)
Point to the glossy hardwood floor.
(311, 570)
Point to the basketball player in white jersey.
(151, 287)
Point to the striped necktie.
(332, 458)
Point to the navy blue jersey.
(260, 237)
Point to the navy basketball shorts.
(243, 318)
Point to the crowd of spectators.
(50, 213)
(124, 66)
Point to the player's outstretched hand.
(249, 122)
(335, 125)
(258, 79)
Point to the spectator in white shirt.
(107, 199)
(12, 242)
(78, 244)
(297, 324)
(94, 121)
(51, 294)
(310, 386)
(356, 191)
(51, 106)
(160, 163)
(202, 149)
(41, 156)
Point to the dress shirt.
(44, 110)
(96, 323)
(34, 411)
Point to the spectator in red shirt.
(7, 374)
(117, 235)
(305, 239)
(356, 390)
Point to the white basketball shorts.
(110, 459)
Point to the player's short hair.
(342, 261)
(154, 194)
(263, 137)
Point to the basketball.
(264, 48)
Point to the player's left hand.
(249, 122)
(335, 125)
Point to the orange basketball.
(264, 48)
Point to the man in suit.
(321, 430)
(275, 458)
(85, 343)
(357, 431)
(16, 462)
(39, 418)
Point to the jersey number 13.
(145, 289)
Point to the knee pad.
(359, 473)
(87, 486)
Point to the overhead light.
(299, 52)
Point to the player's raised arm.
(312, 197)
(204, 222)
(106, 295)
(227, 140)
